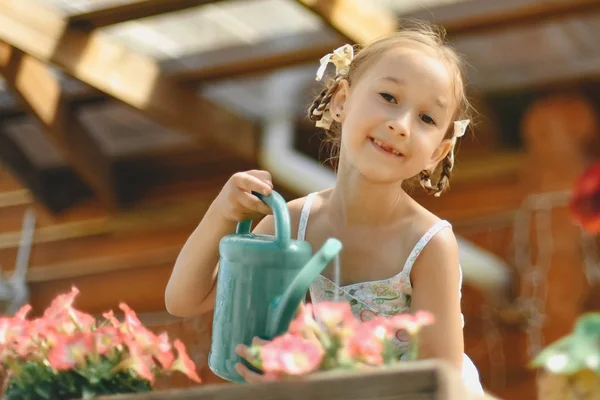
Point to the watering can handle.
(281, 215)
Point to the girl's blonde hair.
(423, 35)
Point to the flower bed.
(68, 354)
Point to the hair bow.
(341, 58)
(460, 127)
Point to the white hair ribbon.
(460, 127)
(341, 58)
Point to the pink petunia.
(292, 355)
(71, 351)
(333, 314)
(184, 363)
(367, 343)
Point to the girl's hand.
(245, 372)
(237, 203)
(242, 351)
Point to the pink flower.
(107, 338)
(333, 314)
(138, 362)
(291, 355)
(184, 363)
(367, 343)
(304, 321)
(61, 304)
(66, 338)
(412, 323)
(71, 351)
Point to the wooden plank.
(56, 189)
(119, 13)
(265, 56)
(40, 92)
(101, 265)
(358, 21)
(476, 17)
(110, 245)
(133, 221)
(15, 198)
(135, 79)
(419, 380)
(142, 288)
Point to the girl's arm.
(191, 287)
(435, 279)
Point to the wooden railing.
(419, 380)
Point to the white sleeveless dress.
(386, 297)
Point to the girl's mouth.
(379, 145)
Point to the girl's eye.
(388, 97)
(427, 119)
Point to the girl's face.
(395, 116)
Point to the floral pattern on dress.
(368, 299)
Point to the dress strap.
(410, 261)
(304, 215)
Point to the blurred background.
(120, 120)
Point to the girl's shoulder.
(439, 247)
(296, 206)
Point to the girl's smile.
(385, 148)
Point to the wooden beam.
(360, 22)
(476, 17)
(133, 221)
(101, 265)
(56, 189)
(265, 56)
(41, 94)
(124, 12)
(15, 198)
(135, 79)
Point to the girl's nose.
(399, 126)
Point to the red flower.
(584, 204)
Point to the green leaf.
(588, 326)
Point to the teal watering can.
(261, 282)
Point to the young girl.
(394, 111)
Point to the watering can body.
(261, 281)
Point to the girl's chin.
(381, 175)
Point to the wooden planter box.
(420, 380)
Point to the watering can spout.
(284, 308)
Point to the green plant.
(68, 354)
(571, 365)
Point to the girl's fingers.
(242, 350)
(249, 376)
(264, 176)
(253, 203)
(250, 183)
(256, 341)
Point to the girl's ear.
(440, 152)
(337, 105)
